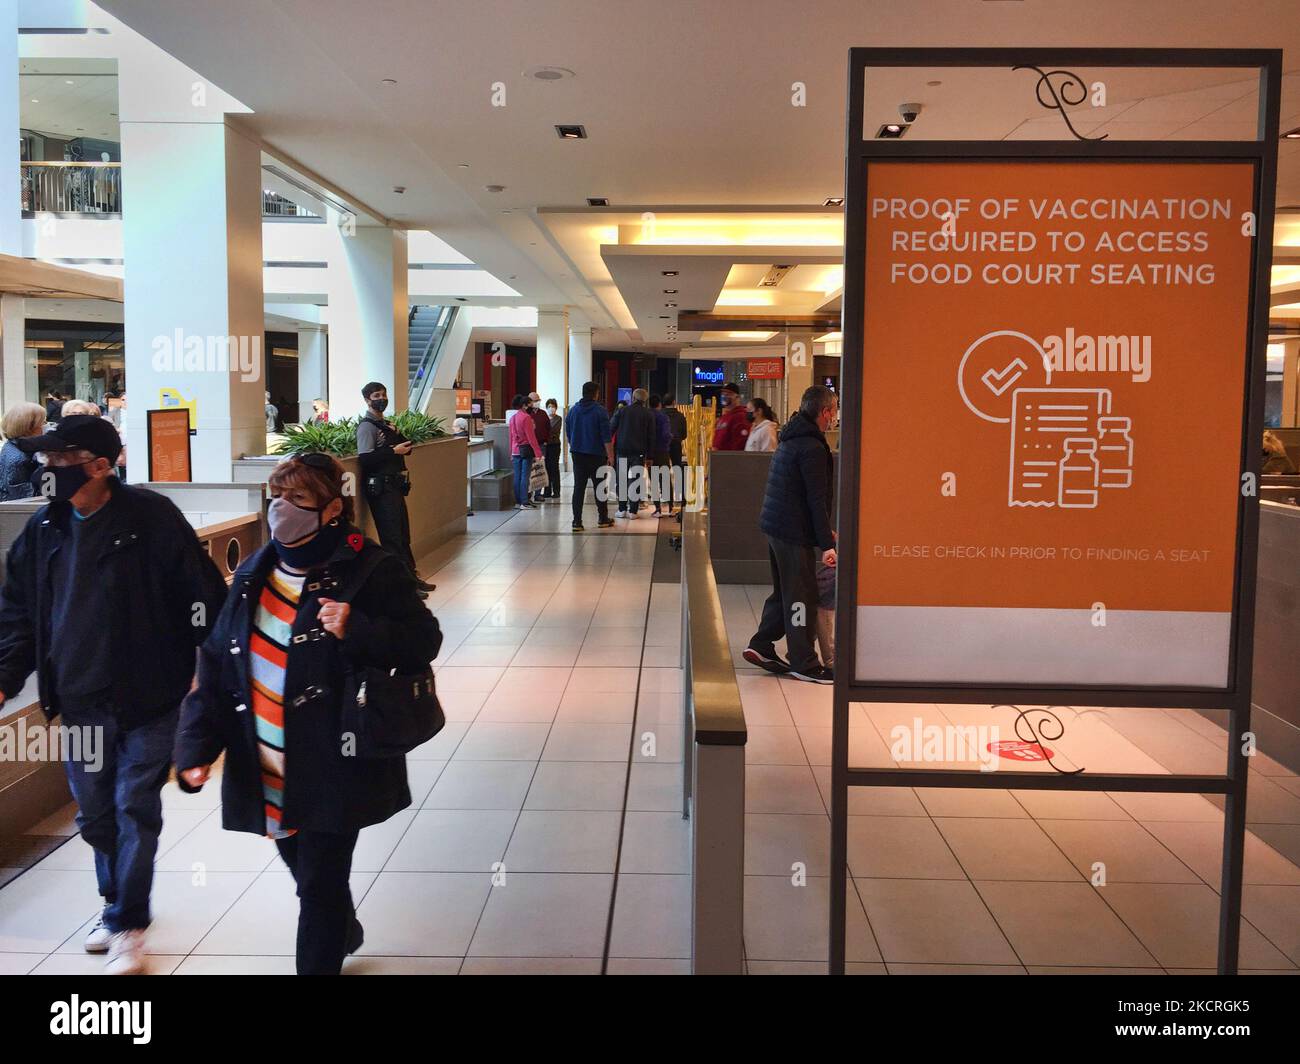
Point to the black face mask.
(378, 405)
(749, 415)
(59, 482)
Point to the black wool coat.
(326, 789)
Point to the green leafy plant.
(339, 438)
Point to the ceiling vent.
(774, 276)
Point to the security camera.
(909, 111)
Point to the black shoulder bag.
(389, 713)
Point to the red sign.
(770, 369)
(1018, 750)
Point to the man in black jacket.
(381, 454)
(634, 438)
(796, 518)
(107, 595)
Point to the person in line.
(633, 429)
(660, 462)
(107, 594)
(524, 448)
(592, 451)
(281, 648)
(53, 406)
(271, 412)
(732, 428)
(460, 427)
(677, 423)
(1276, 459)
(554, 428)
(542, 426)
(762, 428)
(796, 518)
(381, 454)
(826, 613)
(320, 411)
(80, 406)
(16, 465)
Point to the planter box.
(494, 490)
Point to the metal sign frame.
(1235, 698)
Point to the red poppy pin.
(356, 541)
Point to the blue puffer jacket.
(587, 427)
(799, 499)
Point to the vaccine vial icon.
(1115, 452)
(1079, 474)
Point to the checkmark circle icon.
(994, 366)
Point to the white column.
(368, 318)
(15, 371)
(552, 352)
(313, 363)
(579, 360)
(13, 363)
(192, 250)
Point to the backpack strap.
(366, 564)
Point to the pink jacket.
(521, 432)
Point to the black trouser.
(552, 457)
(321, 863)
(631, 481)
(661, 481)
(393, 524)
(791, 608)
(586, 469)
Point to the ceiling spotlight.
(1292, 134)
(34, 100)
(399, 189)
(833, 201)
(670, 291)
(667, 273)
(463, 166)
(571, 132)
(495, 188)
(671, 306)
(68, 81)
(892, 131)
(597, 201)
(389, 81)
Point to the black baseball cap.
(76, 432)
(730, 387)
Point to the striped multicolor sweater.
(269, 653)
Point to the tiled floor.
(1002, 881)
(541, 839)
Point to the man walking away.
(634, 434)
(587, 427)
(677, 425)
(660, 468)
(732, 430)
(796, 518)
(381, 454)
(107, 596)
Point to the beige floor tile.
(563, 841)
(894, 847)
(530, 966)
(655, 787)
(656, 843)
(591, 785)
(970, 801)
(422, 914)
(782, 789)
(481, 785)
(933, 922)
(1200, 846)
(1005, 849)
(786, 844)
(453, 840)
(784, 922)
(652, 916)
(486, 741)
(1129, 852)
(576, 908)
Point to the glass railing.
(71, 188)
(276, 206)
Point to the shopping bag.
(537, 478)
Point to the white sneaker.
(98, 937)
(622, 514)
(631, 516)
(126, 953)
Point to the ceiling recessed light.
(890, 131)
(670, 291)
(549, 73)
(495, 188)
(833, 201)
(597, 201)
(934, 84)
(671, 306)
(68, 81)
(667, 273)
(389, 81)
(463, 166)
(1292, 134)
(34, 100)
(399, 189)
(571, 132)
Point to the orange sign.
(169, 445)
(1054, 359)
(765, 369)
(464, 396)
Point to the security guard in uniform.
(382, 451)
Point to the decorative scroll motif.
(1042, 727)
(1058, 100)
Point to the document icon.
(1043, 420)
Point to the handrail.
(713, 764)
(419, 391)
(71, 187)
